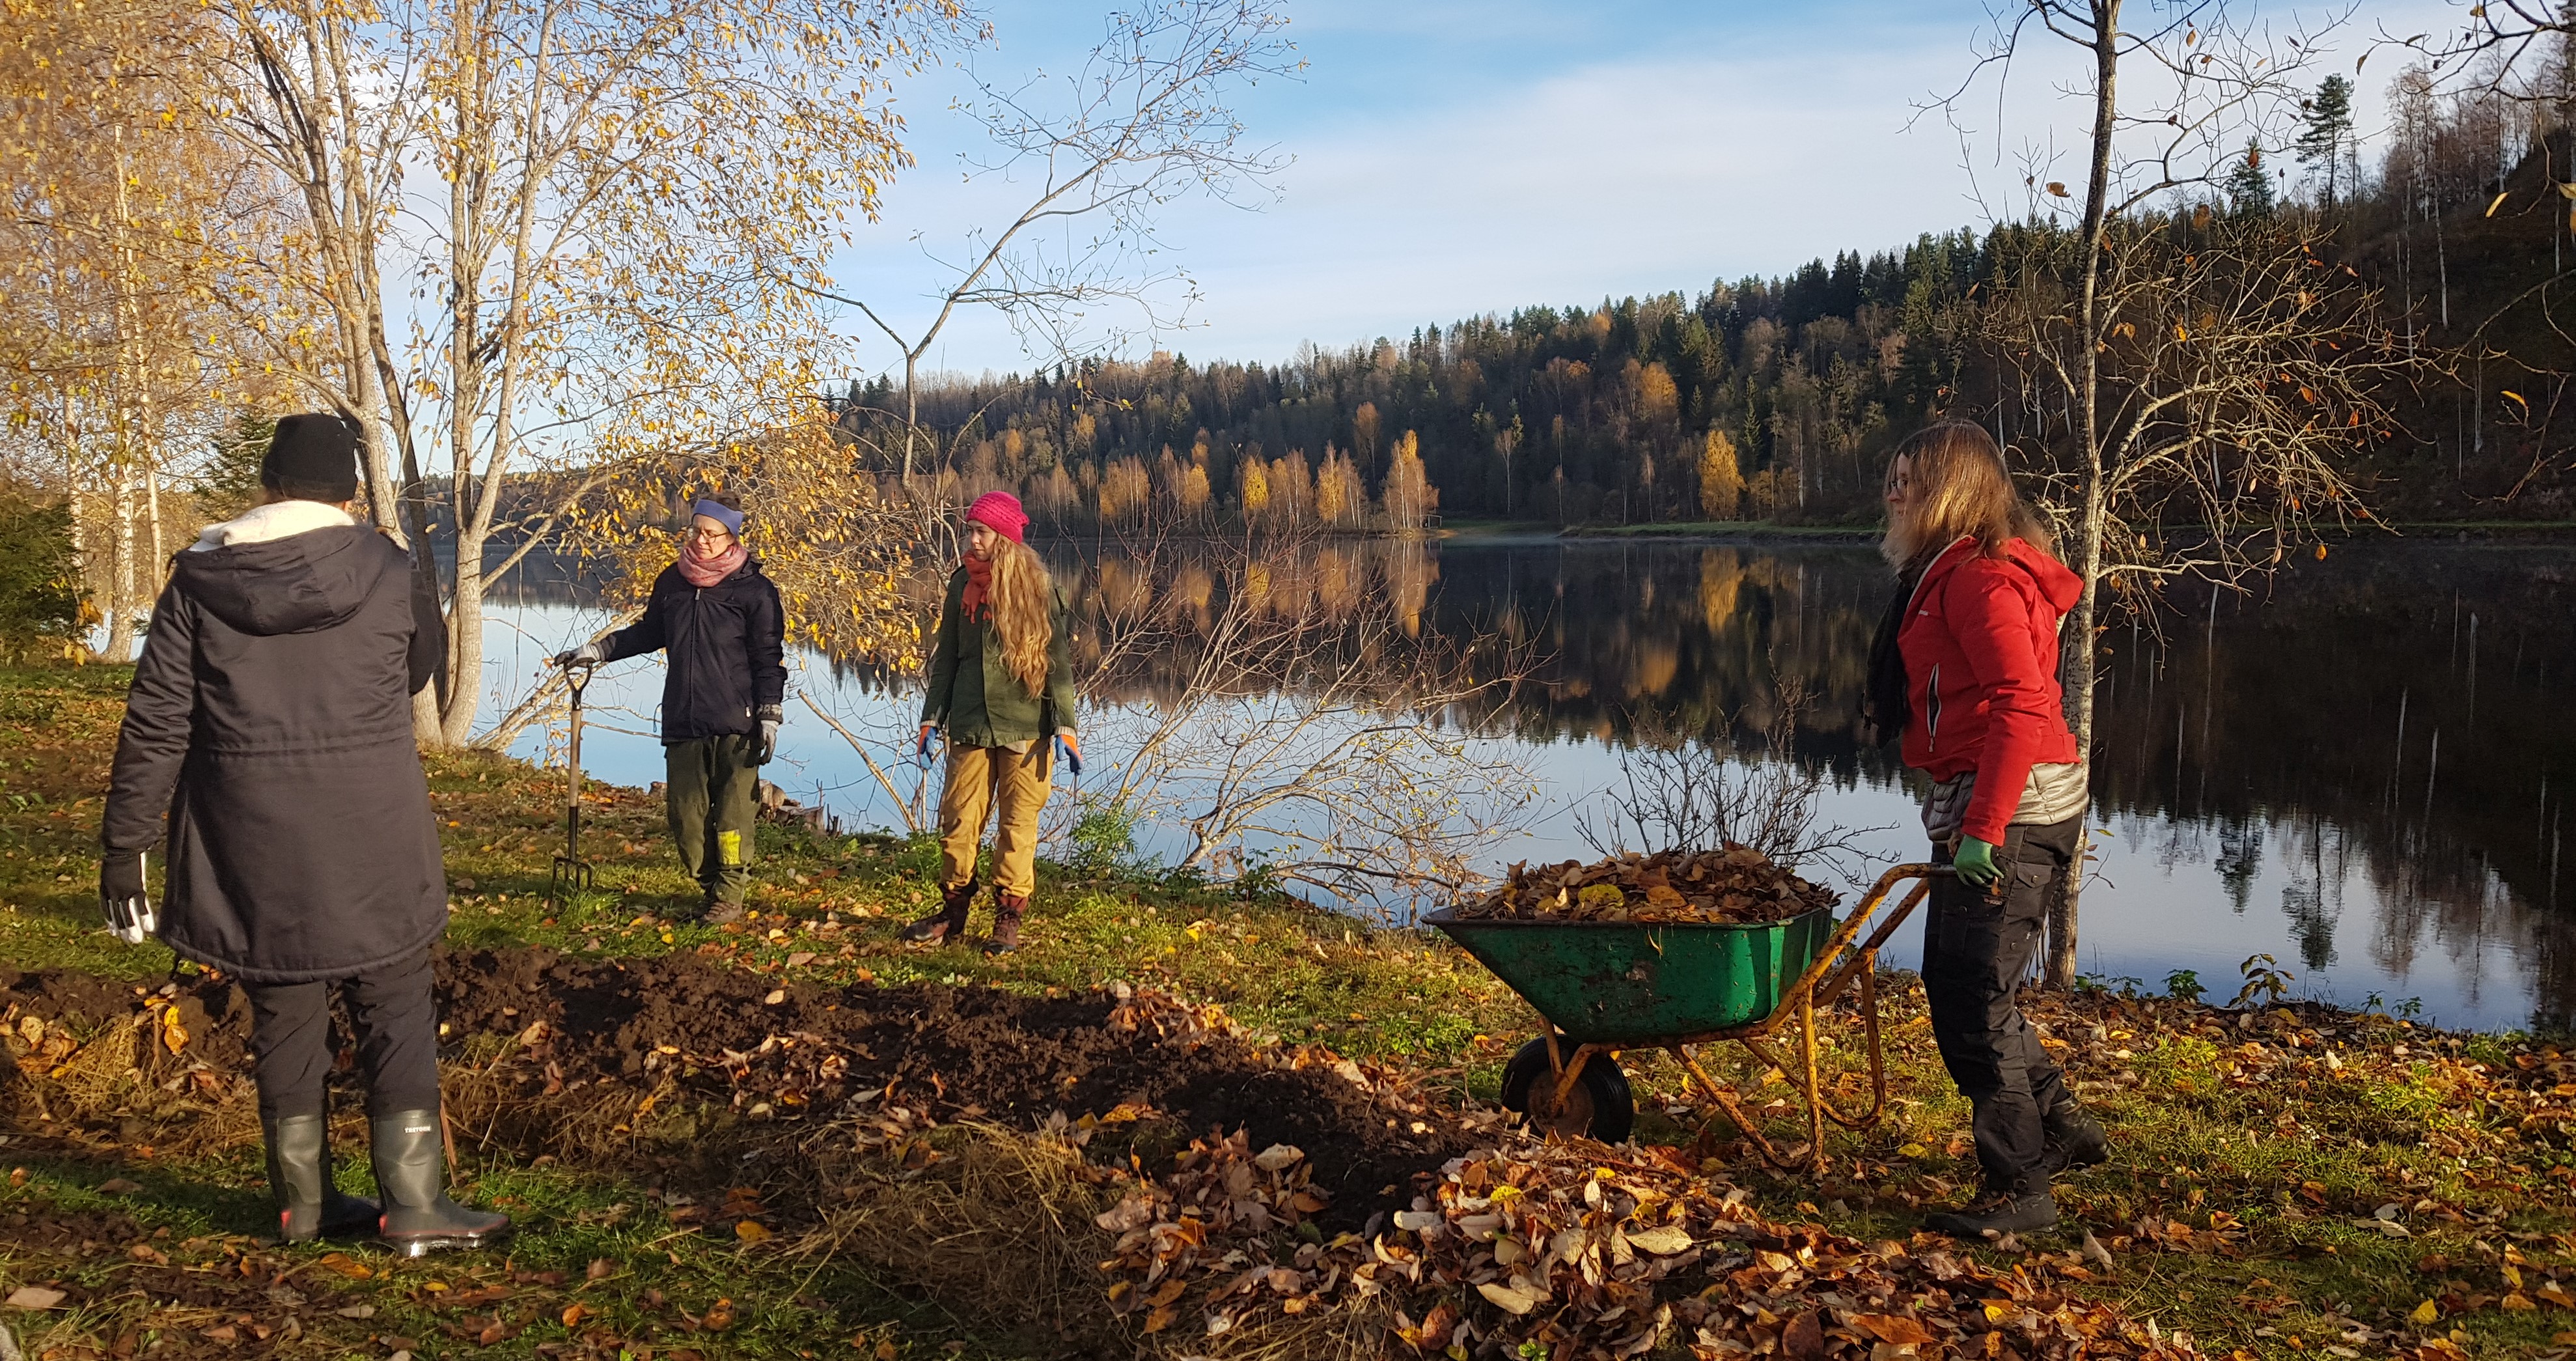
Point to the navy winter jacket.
(728, 651)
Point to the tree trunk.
(465, 636)
(152, 495)
(120, 570)
(2077, 662)
(911, 420)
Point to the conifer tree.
(2249, 186)
(2327, 128)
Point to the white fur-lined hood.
(268, 523)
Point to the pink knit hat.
(1000, 511)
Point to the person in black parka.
(270, 719)
(721, 622)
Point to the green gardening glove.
(1975, 862)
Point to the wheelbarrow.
(572, 874)
(1676, 986)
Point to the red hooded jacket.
(1980, 647)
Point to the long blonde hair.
(1957, 485)
(1022, 600)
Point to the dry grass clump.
(975, 1215)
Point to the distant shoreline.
(1755, 531)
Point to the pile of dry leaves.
(1582, 1254)
(1735, 885)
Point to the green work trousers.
(714, 801)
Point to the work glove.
(1071, 747)
(1975, 863)
(588, 654)
(922, 747)
(770, 717)
(122, 896)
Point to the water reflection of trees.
(2317, 709)
(2305, 717)
(2278, 715)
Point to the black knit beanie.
(313, 458)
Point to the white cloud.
(1445, 169)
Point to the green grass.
(2291, 1151)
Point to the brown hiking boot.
(949, 922)
(1007, 910)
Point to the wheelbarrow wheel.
(1599, 1106)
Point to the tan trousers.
(983, 781)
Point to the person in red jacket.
(1966, 665)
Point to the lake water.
(2358, 769)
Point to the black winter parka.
(271, 719)
(728, 651)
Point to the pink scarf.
(705, 572)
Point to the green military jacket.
(974, 697)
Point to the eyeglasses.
(699, 532)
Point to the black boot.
(419, 1219)
(299, 1180)
(1007, 911)
(949, 922)
(2074, 1139)
(1998, 1215)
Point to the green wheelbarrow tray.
(1635, 983)
(1605, 986)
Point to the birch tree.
(129, 220)
(2203, 75)
(628, 192)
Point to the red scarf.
(705, 572)
(979, 585)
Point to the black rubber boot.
(299, 1181)
(1008, 908)
(949, 922)
(1997, 1215)
(418, 1218)
(2074, 1139)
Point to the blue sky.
(1458, 158)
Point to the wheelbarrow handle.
(1831, 960)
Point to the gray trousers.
(1976, 947)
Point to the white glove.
(588, 654)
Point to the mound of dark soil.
(955, 1049)
(794, 1052)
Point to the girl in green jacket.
(1001, 685)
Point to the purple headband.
(731, 518)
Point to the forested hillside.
(1777, 398)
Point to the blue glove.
(1975, 862)
(1070, 749)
